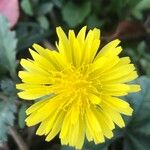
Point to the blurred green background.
(128, 20)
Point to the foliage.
(137, 133)
(8, 46)
(79, 13)
(7, 107)
(22, 116)
(26, 6)
(8, 62)
(7, 110)
(124, 19)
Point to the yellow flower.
(79, 88)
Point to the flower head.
(78, 87)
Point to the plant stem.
(18, 139)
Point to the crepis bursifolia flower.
(77, 88)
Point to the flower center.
(73, 80)
(76, 87)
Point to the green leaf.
(43, 22)
(93, 21)
(22, 116)
(26, 7)
(140, 7)
(143, 5)
(74, 14)
(141, 48)
(136, 99)
(45, 8)
(7, 110)
(3, 71)
(137, 133)
(8, 43)
(8, 87)
(145, 64)
(58, 3)
(29, 33)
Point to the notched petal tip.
(19, 86)
(27, 112)
(97, 33)
(59, 30)
(16, 86)
(27, 122)
(135, 88)
(47, 140)
(21, 95)
(131, 112)
(35, 44)
(117, 41)
(30, 50)
(37, 47)
(82, 32)
(20, 74)
(22, 61)
(83, 29)
(39, 132)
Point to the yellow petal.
(63, 45)
(34, 93)
(117, 73)
(115, 116)
(110, 49)
(81, 135)
(65, 129)
(134, 88)
(34, 78)
(42, 62)
(93, 126)
(81, 35)
(77, 53)
(32, 67)
(56, 127)
(73, 136)
(44, 112)
(122, 78)
(102, 65)
(115, 89)
(94, 98)
(52, 56)
(92, 43)
(119, 105)
(106, 131)
(36, 106)
(123, 61)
